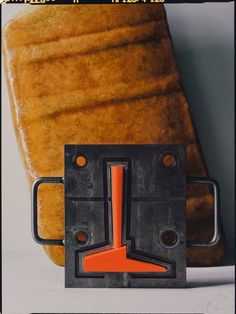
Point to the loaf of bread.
(99, 74)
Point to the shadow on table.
(209, 283)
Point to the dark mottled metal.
(154, 200)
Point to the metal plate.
(154, 201)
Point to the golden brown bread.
(98, 74)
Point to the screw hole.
(82, 237)
(169, 238)
(169, 160)
(81, 161)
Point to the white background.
(203, 42)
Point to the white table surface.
(31, 283)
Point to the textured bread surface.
(99, 74)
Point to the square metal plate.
(154, 203)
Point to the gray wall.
(203, 37)
(203, 41)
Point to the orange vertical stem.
(117, 174)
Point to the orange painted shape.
(115, 259)
(117, 173)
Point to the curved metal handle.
(35, 233)
(216, 235)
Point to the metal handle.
(38, 239)
(35, 233)
(216, 235)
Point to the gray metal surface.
(154, 201)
